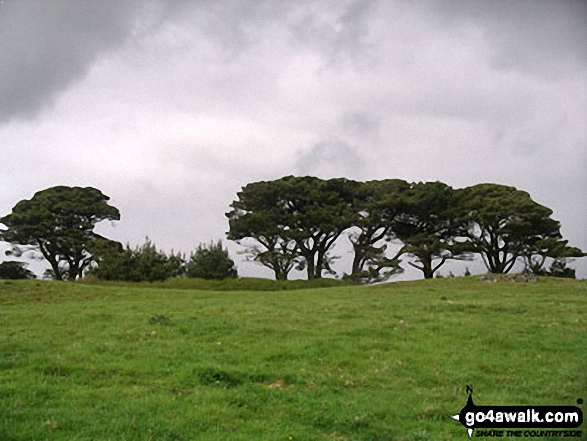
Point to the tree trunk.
(310, 267)
(51, 259)
(358, 259)
(427, 267)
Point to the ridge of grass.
(229, 284)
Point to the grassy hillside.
(387, 362)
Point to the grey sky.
(171, 107)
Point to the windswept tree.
(295, 220)
(504, 223)
(59, 223)
(316, 213)
(541, 248)
(258, 215)
(427, 225)
(377, 205)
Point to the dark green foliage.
(59, 223)
(539, 248)
(144, 263)
(295, 220)
(504, 223)
(376, 206)
(211, 262)
(318, 211)
(15, 270)
(426, 222)
(377, 270)
(259, 216)
(559, 268)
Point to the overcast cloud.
(170, 107)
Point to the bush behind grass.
(386, 362)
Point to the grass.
(387, 362)
(236, 284)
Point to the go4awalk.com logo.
(520, 421)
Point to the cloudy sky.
(170, 107)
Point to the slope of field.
(387, 362)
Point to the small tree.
(559, 268)
(152, 264)
(15, 270)
(211, 262)
(504, 223)
(59, 223)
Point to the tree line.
(294, 223)
(59, 224)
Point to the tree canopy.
(504, 223)
(259, 214)
(376, 206)
(295, 220)
(427, 225)
(59, 223)
(317, 212)
(539, 248)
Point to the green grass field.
(387, 362)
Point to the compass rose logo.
(469, 407)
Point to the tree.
(59, 222)
(316, 213)
(211, 262)
(296, 220)
(376, 206)
(504, 223)
(15, 270)
(258, 215)
(426, 224)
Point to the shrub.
(15, 270)
(559, 268)
(211, 262)
(144, 263)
